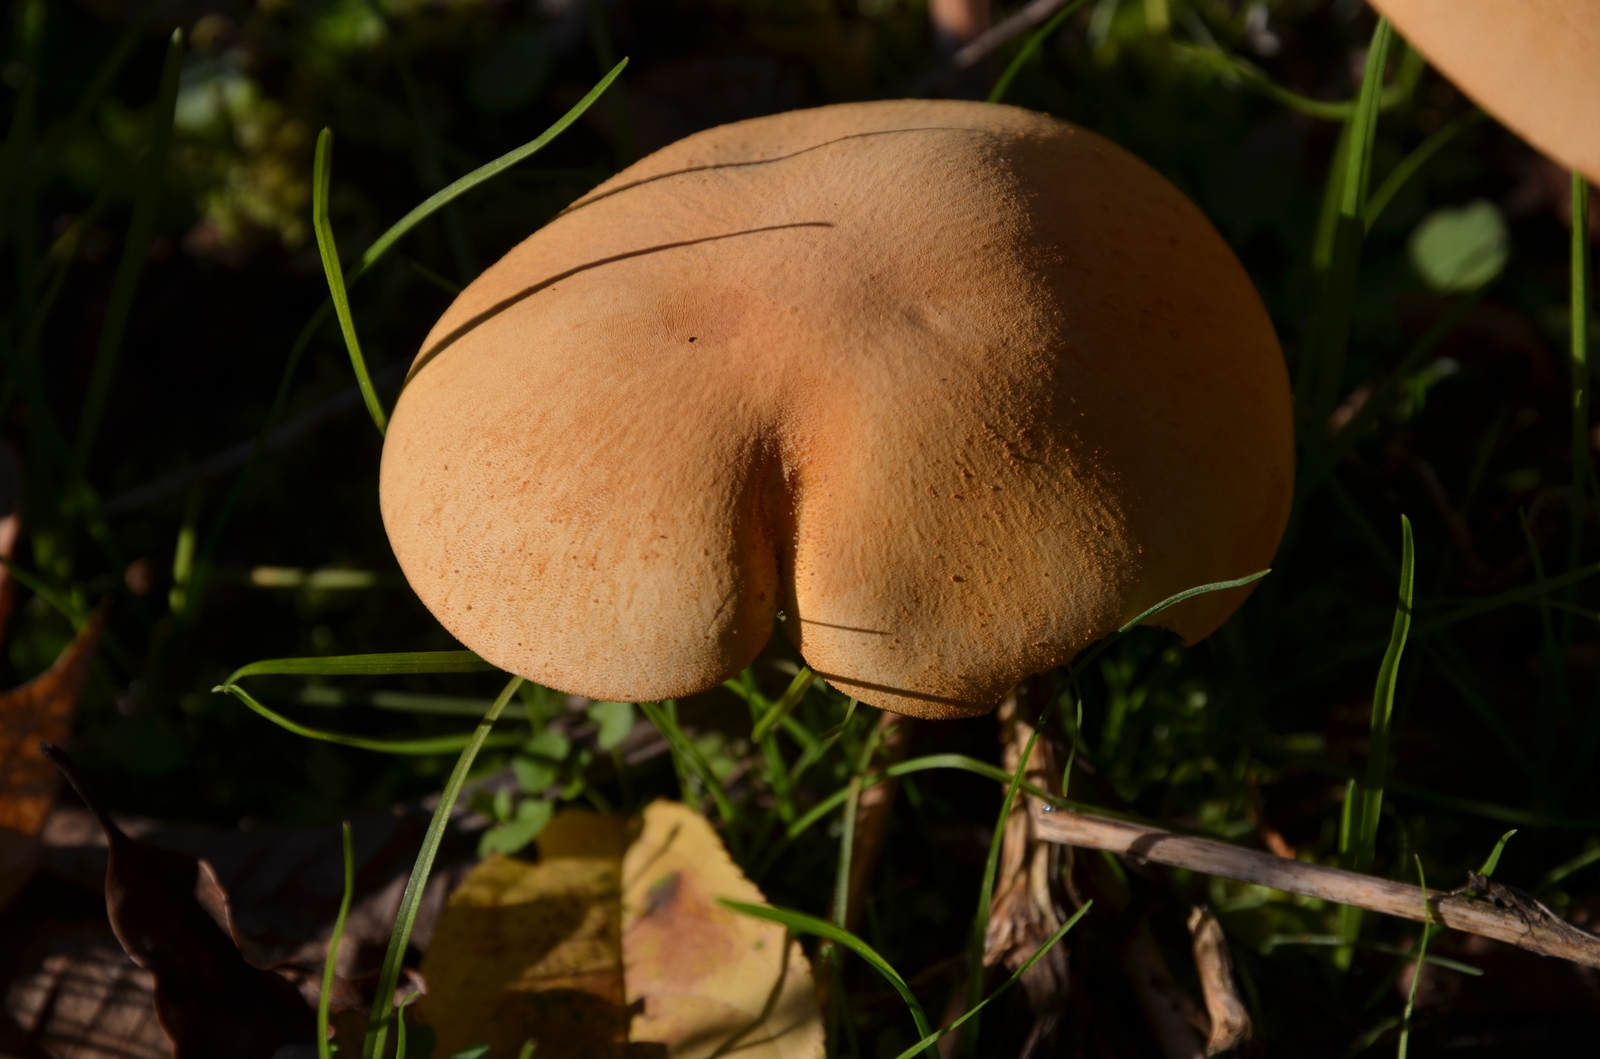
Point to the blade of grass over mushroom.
(785, 705)
(399, 663)
(1016, 976)
(436, 201)
(411, 899)
(135, 251)
(321, 174)
(1036, 40)
(800, 923)
(324, 1045)
(444, 744)
(1081, 663)
(991, 867)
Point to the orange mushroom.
(1533, 64)
(952, 390)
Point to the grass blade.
(784, 706)
(1249, 76)
(685, 751)
(324, 1046)
(400, 663)
(1038, 954)
(1422, 954)
(800, 923)
(1320, 372)
(321, 170)
(1578, 504)
(1492, 861)
(489, 171)
(1030, 49)
(370, 257)
(1082, 661)
(1413, 162)
(135, 251)
(1363, 805)
(411, 900)
(1370, 796)
(991, 867)
(444, 744)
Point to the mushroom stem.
(1505, 915)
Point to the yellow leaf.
(615, 936)
(534, 951)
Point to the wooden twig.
(1506, 916)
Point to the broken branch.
(1510, 917)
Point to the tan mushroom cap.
(958, 388)
(1533, 64)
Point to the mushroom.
(949, 390)
(1533, 64)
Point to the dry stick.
(1510, 917)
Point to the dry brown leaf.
(38, 711)
(171, 915)
(618, 921)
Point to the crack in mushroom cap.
(958, 388)
(1533, 64)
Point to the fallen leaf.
(171, 915)
(703, 980)
(38, 711)
(613, 945)
(534, 951)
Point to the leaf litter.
(613, 944)
(39, 711)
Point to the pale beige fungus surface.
(1533, 64)
(957, 388)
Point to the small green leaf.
(548, 744)
(1460, 249)
(534, 776)
(615, 720)
(514, 834)
(477, 1051)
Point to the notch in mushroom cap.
(957, 388)
(1533, 64)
